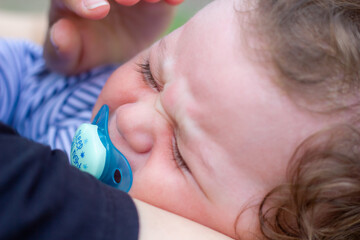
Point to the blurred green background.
(184, 11)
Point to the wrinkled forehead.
(207, 51)
(212, 57)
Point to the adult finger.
(133, 2)
(90, 9)
(174, 2)
(127, 2)
(63, 47)
(152, 1)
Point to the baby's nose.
(134, 121)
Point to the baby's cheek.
(125, 85)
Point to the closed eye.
(145, 70)
(177, 156)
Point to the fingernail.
(92, 4)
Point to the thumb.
(63, 47)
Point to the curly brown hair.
(315, 47)
(322, 198)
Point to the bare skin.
(212, 104)
(75, 42)
(157, 224)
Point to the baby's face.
(214, 106)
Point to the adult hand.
(86, 33)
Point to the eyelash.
(177, 156)
(145, 70)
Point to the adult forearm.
(157, 224)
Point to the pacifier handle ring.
(115, 159)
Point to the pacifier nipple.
(92, 151)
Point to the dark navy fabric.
(42, 105)
(42, 197)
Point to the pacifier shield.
(92, 151)
(87, 152)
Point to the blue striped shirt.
(42, 105)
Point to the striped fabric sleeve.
(16, 58)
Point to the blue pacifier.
(93, 152)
